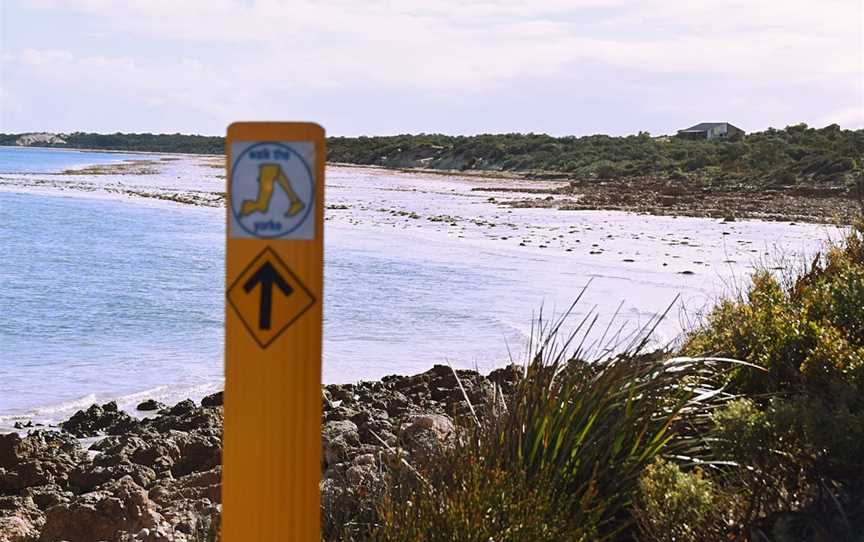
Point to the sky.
(563, 67)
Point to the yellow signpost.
(274, 290)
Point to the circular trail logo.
(272, 190)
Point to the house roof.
(703, 126)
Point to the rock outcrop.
(150, 405)
(159, 478)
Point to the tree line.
(794, 154)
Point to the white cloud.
(185, 82)
(453, 43)
(449, 47)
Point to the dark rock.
(189, 504)
(41, 445)
(186, 416)
(427, 435)
(338, 438)
(199, 485)
(343, 393)
(159, 454)
(197, 453)
(117, 448)
(183, 407)
(89, 477)
(339, 413)
(12, 450)
(20, 520)
(506, 378)
(98, 420)
(371, 431)
(398, 404)
(44, 497)
(213, 400)
(28, 474)
(367, 478)
(120, 507)
(40, 458)
(150, 405)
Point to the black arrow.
(267, 276)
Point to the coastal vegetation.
(795, 154)
(156, 143)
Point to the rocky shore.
(104, 475)
(831, 204)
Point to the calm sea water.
(101, 298)
(104, 299)
(35, 160)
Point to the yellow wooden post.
(274, 291)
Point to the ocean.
(36, 160)
(107, 297)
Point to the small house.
(711, 131)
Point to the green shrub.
(798, 461)
(796, 443)
(607, 170)
(809, 337)
(678, 506)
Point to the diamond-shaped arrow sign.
(268, 297)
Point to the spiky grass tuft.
(563, 460)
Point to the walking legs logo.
(272, 190)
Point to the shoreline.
(50, 415)
(166, 465)
(545, 190)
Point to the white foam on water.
(51, 415)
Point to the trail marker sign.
(268, 297)
(274, 286)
